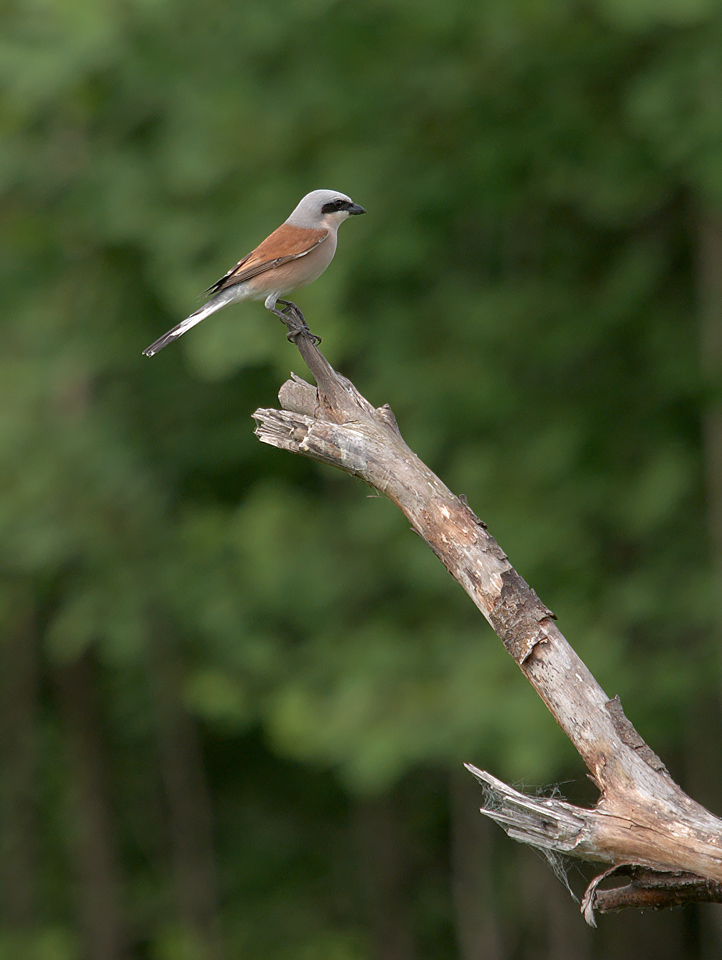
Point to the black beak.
(354, 210)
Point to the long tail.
(215, 303)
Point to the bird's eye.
(334, 206)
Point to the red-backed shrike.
(293, 256)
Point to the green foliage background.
(524, 292)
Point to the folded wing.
(285, 244)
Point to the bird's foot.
(295, 321)
(293, 335)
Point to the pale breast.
(297, 273)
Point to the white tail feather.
(215, 303)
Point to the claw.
(291, 315)
(293, 335)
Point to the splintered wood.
(643, 821)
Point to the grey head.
(324, 208)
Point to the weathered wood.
(642, 816)
(648, 889)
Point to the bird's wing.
(285, 244)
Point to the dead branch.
(643, 820)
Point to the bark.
(477, 929)
(189, 807)
(95, 854)
(386, 877)
(552, 919)
(709, 283)
(710, 295)
(642, 816)
(19, 698)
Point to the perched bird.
(294, 255)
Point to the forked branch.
(670, 845)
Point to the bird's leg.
(290, 307)
(295, 321)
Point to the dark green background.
(237, 691)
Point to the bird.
(294, 255)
